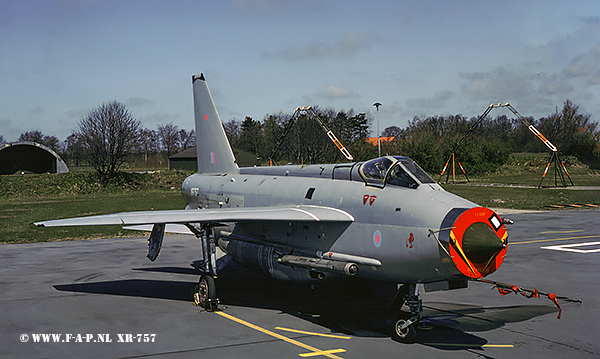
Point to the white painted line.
(573, 247)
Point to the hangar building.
(29, 157)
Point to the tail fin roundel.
(212, 147)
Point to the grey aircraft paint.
(382, 220)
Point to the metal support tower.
(309, 111)
(554, 158)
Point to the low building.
(187, 159)
(373, 140)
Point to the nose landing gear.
(405, 330)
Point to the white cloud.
(590, 20)
(139, 101)
(505, 84)
(347, 46)
(335, 93)
(80, 113)
(555, 85)
(162, 117)
(533, 93)
(9, 130)
(585, 66)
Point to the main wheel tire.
(406, 335)
(206, 290)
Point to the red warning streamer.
(505, 289)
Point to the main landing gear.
(405, 330)
(206, 295)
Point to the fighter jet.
(383, 220)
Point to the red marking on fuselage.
(410, 240)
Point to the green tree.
(250, 136)
(572, 132)
(392, 131)
(306, 141)
(272, 129)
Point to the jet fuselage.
(392, 224)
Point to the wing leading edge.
(246, 214)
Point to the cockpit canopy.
(394, 170)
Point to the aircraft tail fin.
(212, 147)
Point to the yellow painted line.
(278, 336)
(324, 352)
(497, 346)
(311, 333)
(575, 231)
(555, 239)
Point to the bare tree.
(169, 137)
(187, 139)
(108, 134)
(148, 143)
(233, 130)
(74, 151)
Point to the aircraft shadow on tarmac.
(350, 308)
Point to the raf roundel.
(377, 238)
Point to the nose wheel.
(405, 330)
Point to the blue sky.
(60, 59)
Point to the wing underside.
(224, 215)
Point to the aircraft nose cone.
(480, 243)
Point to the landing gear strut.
(206, 295)
(405, 331)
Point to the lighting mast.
(377, 104)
